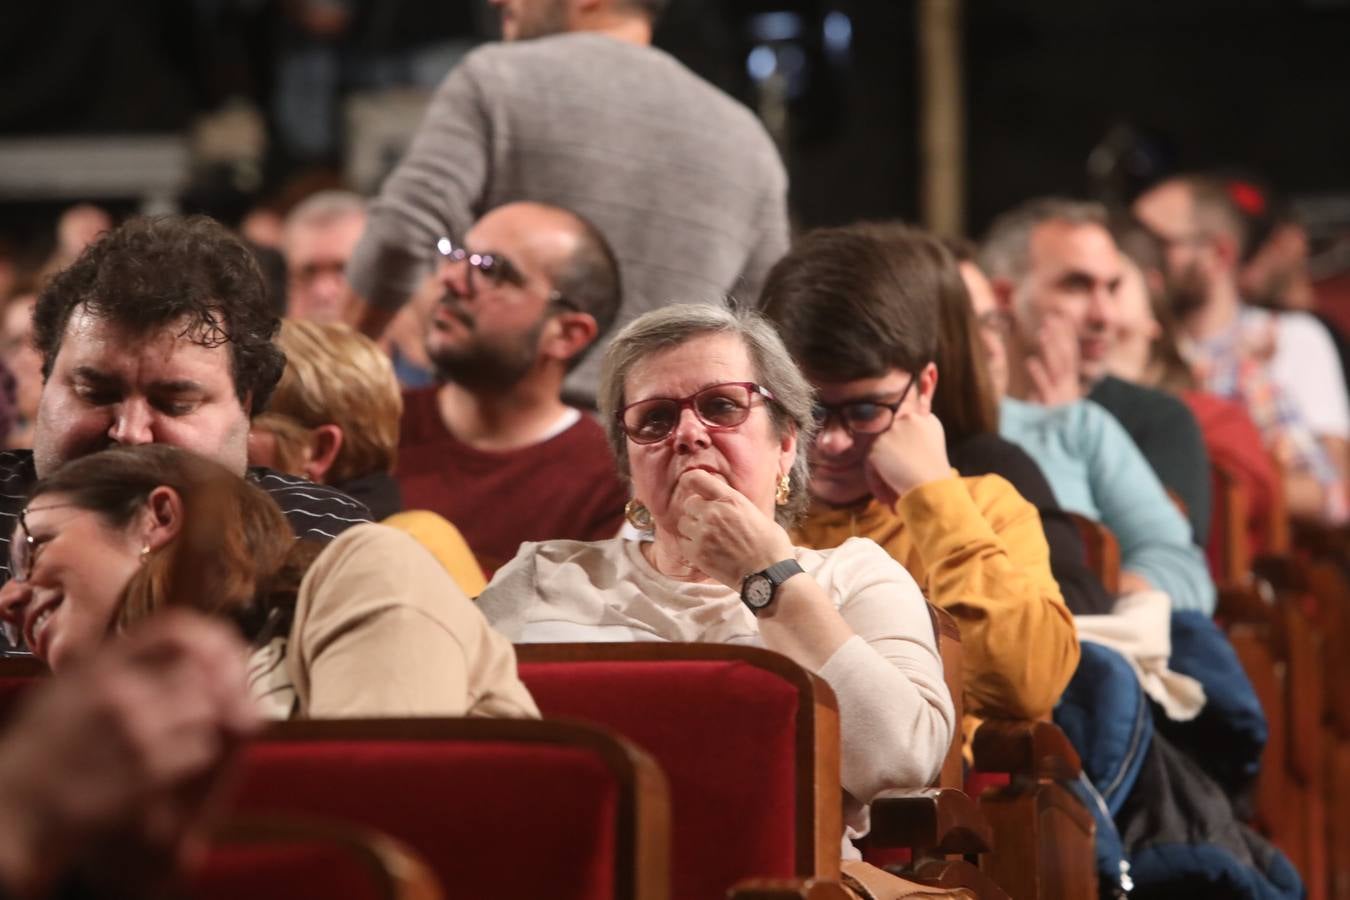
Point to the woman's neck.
(664, 556)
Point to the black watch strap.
(780, 572)
(759, 589)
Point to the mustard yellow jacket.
(976, 548)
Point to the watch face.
(757, 592)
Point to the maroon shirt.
(564, 487)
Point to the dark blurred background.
(225, 105)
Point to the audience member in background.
(1282, 366)
(972, 353)
(576, 109)
(859, 308)
(161, 332)
(711, 420)
(78, 227)
(334, 419)
(109, 773)
(24, 363)
(1085, 453)
(494, 449)
(1145, 352)
(318, 238)
(1275, 266)
(1054, 265)
(368, 625)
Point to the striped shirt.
(315, 512)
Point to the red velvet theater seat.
(748, 740)
(499, 809)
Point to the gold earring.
(145, 553)
(638, 515)
(784, 490)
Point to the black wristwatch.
(758, 589)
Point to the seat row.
(662, 770)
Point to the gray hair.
(325, 207)
(1006, 252)
(671, 326)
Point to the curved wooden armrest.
(940, 820)
(397, 871)
(1025, 747)
(1252, 603)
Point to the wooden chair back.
(498, 808)
(1229, 550)
(271, 858)
(748, 739)
(1102, 550)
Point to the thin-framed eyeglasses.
(495, 267)
(719, 407)
(23, 548)
(868, 416)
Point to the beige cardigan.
(381, 629)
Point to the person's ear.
(1227, 251)
(321, 452)
(787, 449)
(926, 387)
(163, 517)
(1003, 294)
(570, 334)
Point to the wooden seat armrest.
(1252, 603)
(811, 889)
(789, 889)
(1025, 747)
(932, 820)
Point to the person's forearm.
(803, 624)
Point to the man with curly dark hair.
(161, 332)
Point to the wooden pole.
(942, 140)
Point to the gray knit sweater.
(683, 181)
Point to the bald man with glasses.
(494, 448)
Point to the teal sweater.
(1095, 469)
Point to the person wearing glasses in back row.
(879, 318)
(711, 421)
(494, 449)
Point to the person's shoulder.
(988, 451)
(585, 438)
(1302, 329)
(1164, 407)
(315, 512)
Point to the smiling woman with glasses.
(368, 625)
(710, 421)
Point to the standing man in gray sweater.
(578, 110)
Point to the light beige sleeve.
(895, 713)
(382, 630)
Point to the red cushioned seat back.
(732, 730)
(504, 809)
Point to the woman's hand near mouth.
(722, 534)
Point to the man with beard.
(1281, 365)
(495, 449)
(1055, 271)
(577, 108)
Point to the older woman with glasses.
(369, 625)
(710, 419)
